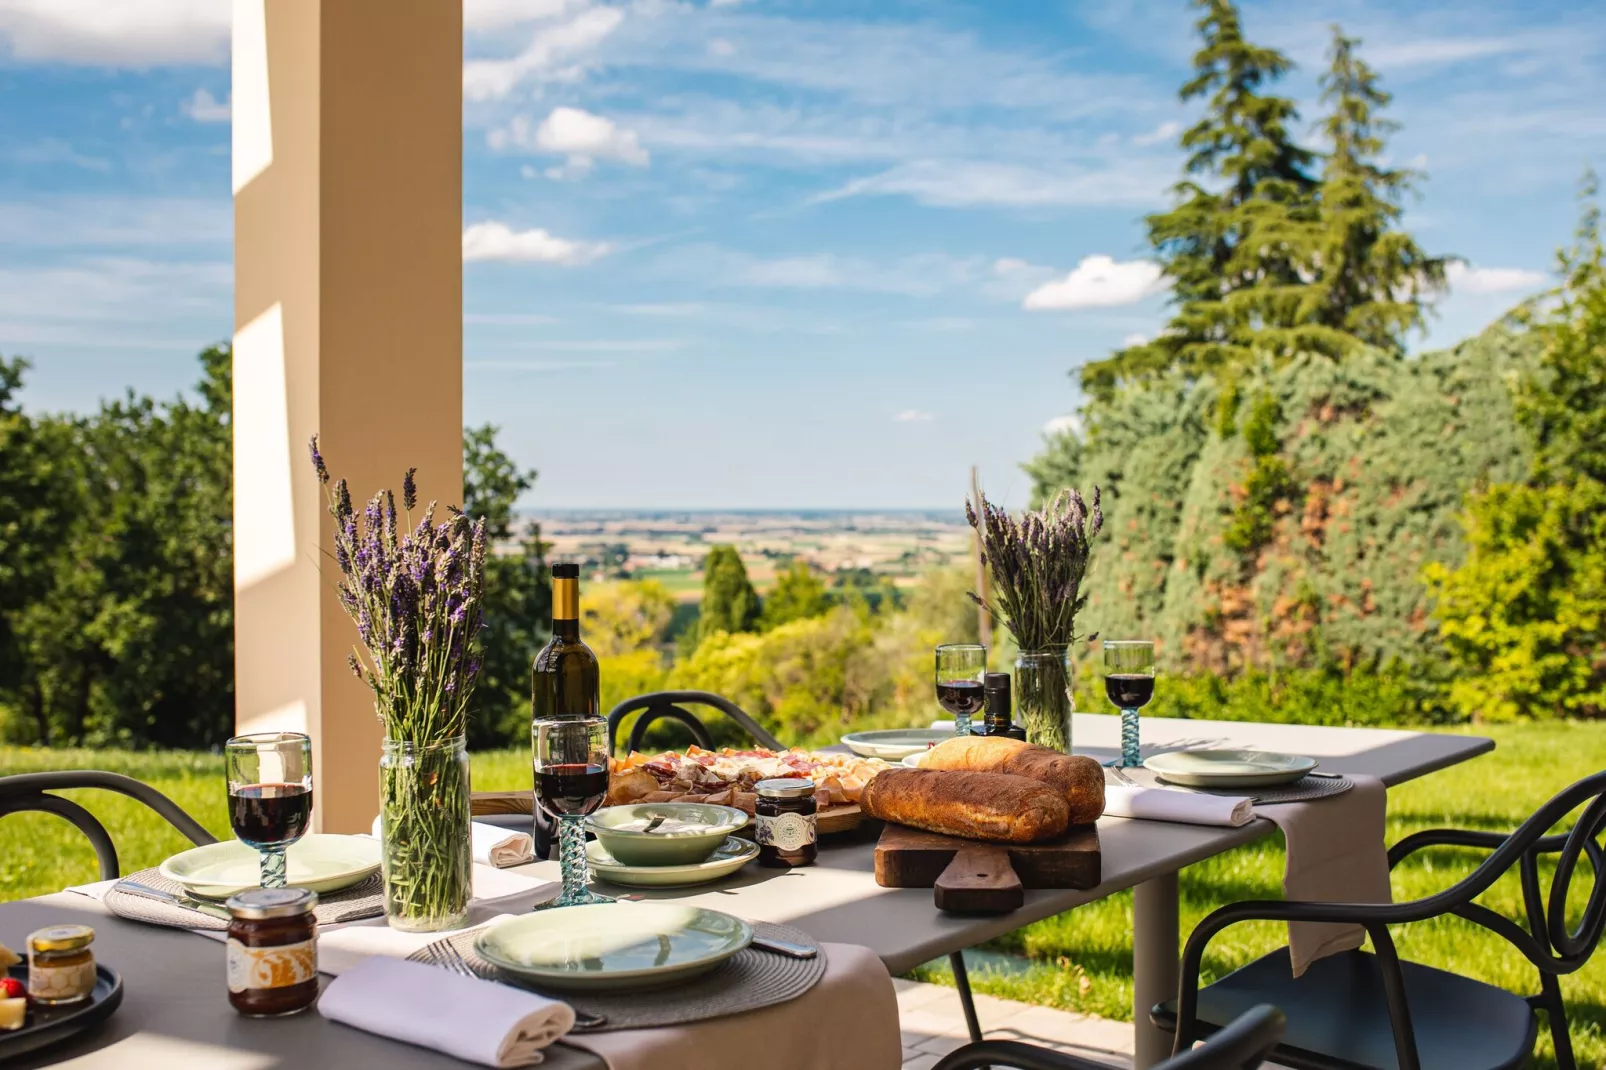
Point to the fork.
(445, 955)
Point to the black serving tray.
(51, 1025)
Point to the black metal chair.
(672, 704)
(1360, 1011)
(1242, 1045)
(23, 792)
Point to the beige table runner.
(849, 1021)
(1336, 854)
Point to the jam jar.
(273, 951)
(61, 968)
(786, 831)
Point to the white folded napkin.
(493, 845)
(477, 1021)
(1169, 804)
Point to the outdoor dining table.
(175, 1013)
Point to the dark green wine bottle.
(564, 680)
(996, 719)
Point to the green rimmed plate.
(611, 946)
(895, 744)
(321, 861)
(727, 858)
(1228, 768)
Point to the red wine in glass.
(270, 815)
(962, 698)
(1129, 691)
(573, 788)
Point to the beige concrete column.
(348, 324)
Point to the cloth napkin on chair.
(476, 1021)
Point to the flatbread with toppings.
(726, 777)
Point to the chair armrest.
(1487, 841)
(1012, 1053)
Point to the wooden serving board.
(974, 876)
(831, 819)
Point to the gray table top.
(175, 1012)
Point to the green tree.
(1370, 279)
(1525, 616)
(798, 594)
(518, 596)
(729, 602)
(1563, 406)
(1244, 208)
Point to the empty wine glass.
(1129, 683)
(270, 795)
(960, 667)
(571, 780)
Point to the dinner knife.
(785, 947)
(211, 910)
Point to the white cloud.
(1441, 50)
(101, 222)
(914, 276)
(1466, 279)
(967, 183)
(52, 150)
(723, 3)
(117, 33)
(203, 107)
(1010, 265)
(912, 416)
(497, 241)
(580, 135)
(536, 365)
(1099, 282)
(719, 46)
(481, 15)
(1134, 339)
(544, 57)
(943, 324)
(1164, 132)
(1059, 425)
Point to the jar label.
(271, 967)
(789, 832)
(51, 983)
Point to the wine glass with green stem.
(1129, 683)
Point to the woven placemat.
(365, 899)
(746, 981)
(1304, 789)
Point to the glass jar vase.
(427, 850)
(1043, 680)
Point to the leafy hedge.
(1279, 523)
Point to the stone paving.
(933, 1024)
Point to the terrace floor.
(933, 1025)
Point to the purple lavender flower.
(317, 462)
(410, 490)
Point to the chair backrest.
(25, 792)
(671, 704)
(1548, 941)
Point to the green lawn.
(1081, 961)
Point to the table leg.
(967, 1002)
(1154, 965)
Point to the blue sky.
(769, 253)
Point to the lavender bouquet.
(415, 593)
(1037, 565)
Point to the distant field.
(685, 584)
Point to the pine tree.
(1371, 279)
(1247, 186)
(730, 604)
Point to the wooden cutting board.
(976, 877)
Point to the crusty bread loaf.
(982, 806)
(1079, 779)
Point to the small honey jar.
(273, 951)
(61, 967)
